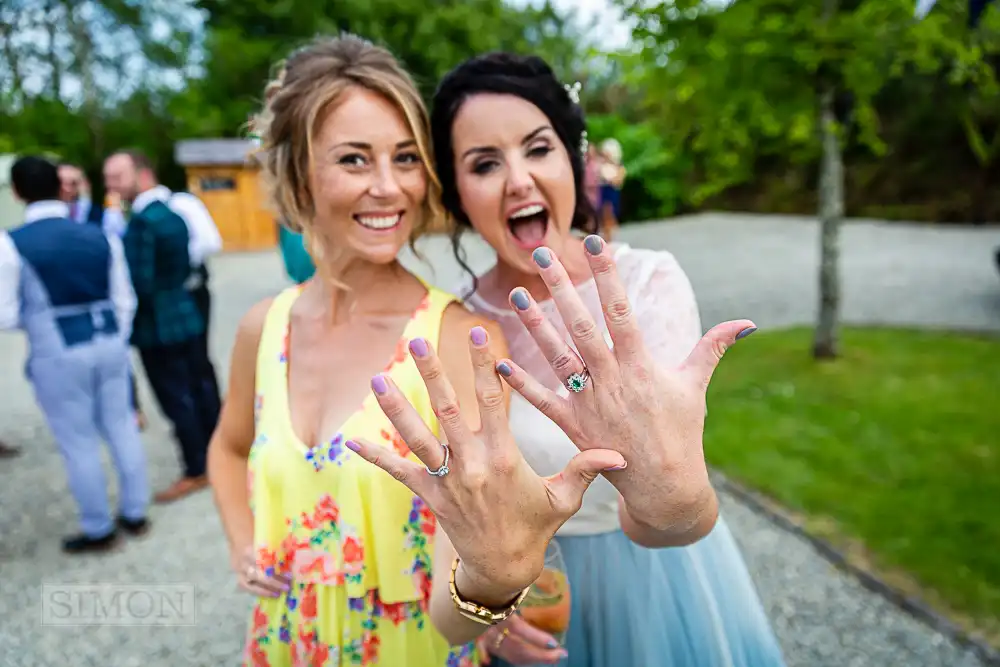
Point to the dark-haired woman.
(508, 137)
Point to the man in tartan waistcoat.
(168, 324)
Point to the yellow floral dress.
(356, 543)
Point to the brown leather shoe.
(181, 489)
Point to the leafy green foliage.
(738, 84)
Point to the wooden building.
(222, 174)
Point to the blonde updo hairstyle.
(304, 91)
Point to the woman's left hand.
(518, 642)
(653, 416)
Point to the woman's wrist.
(690, 520)
(482, 590)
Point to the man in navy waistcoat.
(67, 286)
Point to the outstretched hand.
(619, 397)
(498, 514)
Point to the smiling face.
(514, 176)
(368, 181)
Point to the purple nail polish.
(418, 346)
(478, 335)
(504, 369)
(746, 332)
(613, 468)
(353, 446)
(379, 385)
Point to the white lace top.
(665, 307)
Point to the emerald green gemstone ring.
(577, 382)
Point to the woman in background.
(298, 263)
(612, 178)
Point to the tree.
(70, 67)
(751, 81)
(248, 37)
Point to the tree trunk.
(52, 27)
(7, 31)
(84, 65)
(831, 212)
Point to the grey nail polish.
(746, 332)
(594, 244)
(520, 299)
(504, 369)
(542, 257)
(553, 644)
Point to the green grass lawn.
(894, 447)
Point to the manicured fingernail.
(478, 335)
(504, 369)
(379, 384)
(542, 257)
(594, 244)
(746, 332)
(621, 467)
(418, 346)
(520, 299)
(353, 446)
(553, 644)
(564, 653)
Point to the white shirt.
(120, 288)
(204, 239)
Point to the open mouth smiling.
(528, 225)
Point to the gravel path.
(764, 268)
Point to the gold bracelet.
(479, 613)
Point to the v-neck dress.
(356, 543)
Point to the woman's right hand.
(497, 512)
(252, 580)
(519, 643)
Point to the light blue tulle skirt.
(692, 606)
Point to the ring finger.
(411, 428)
(565, 362)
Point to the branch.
(53, 56)
(7, 30)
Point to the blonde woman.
(339, 553)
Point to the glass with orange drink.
(547, 604)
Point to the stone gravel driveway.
(741, 266)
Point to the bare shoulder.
(453, 346)
(458, 321)
(251, 326)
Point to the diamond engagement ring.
(443, 470)
(577, 382)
